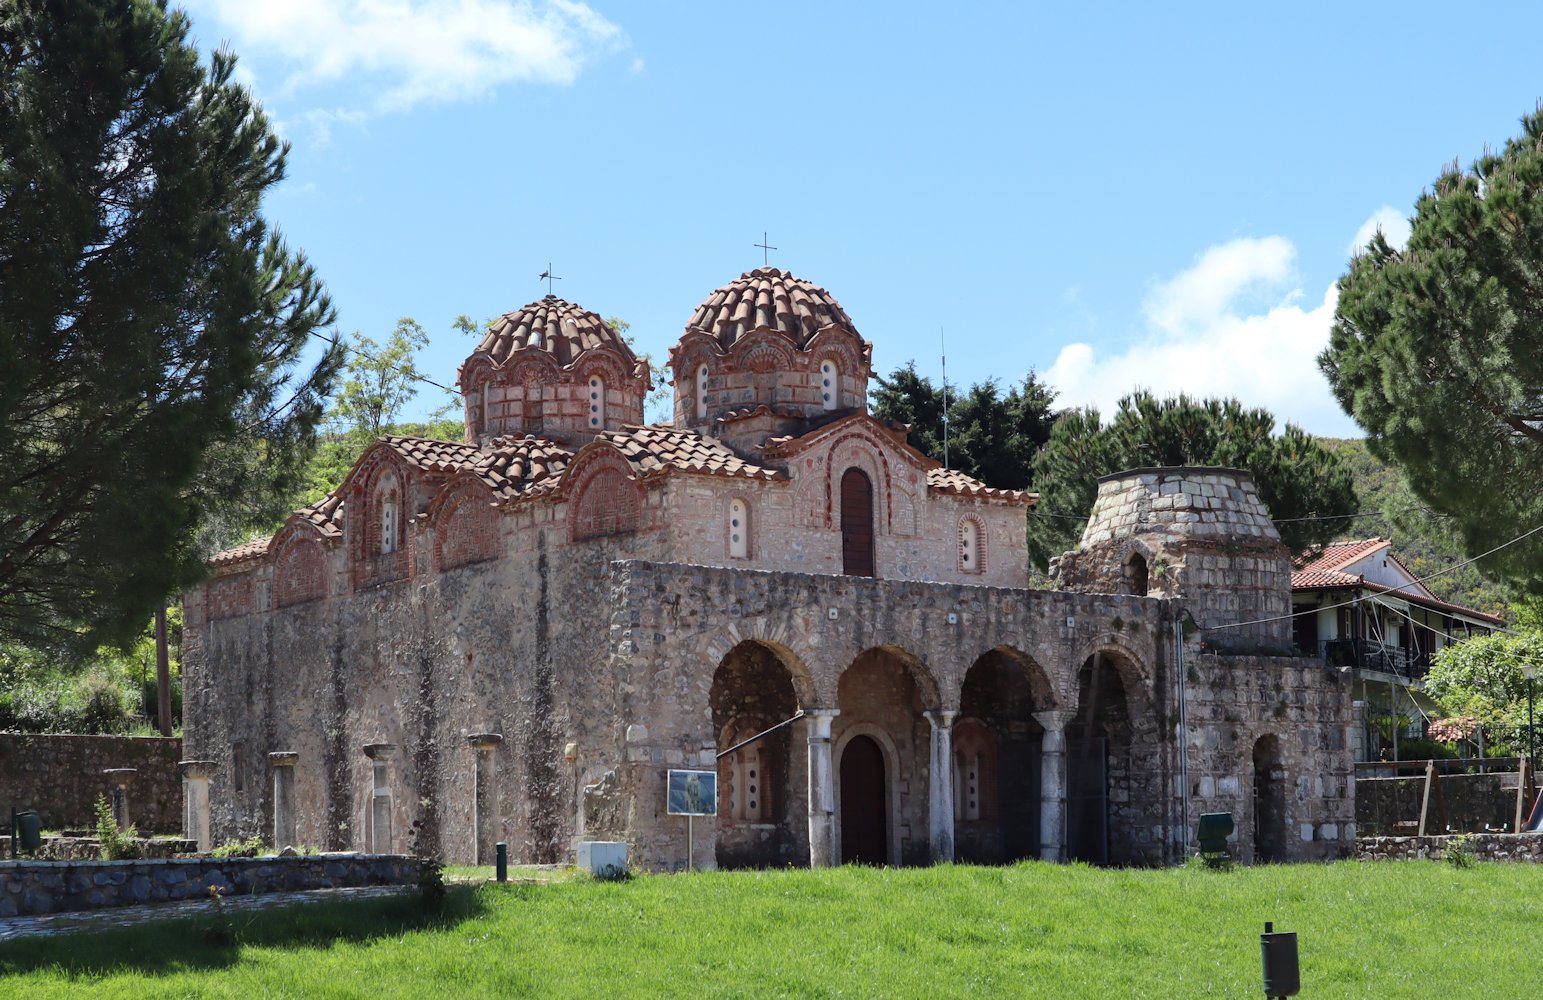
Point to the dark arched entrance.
(761, 802)
(1269, 801)
(1098, 741)
(856, 523)
(996, 746)
(864, 832)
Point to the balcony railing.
(1366, 655)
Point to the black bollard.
(503, 861)
(1282, 978)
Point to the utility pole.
(162, 674)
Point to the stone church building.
(515, 637)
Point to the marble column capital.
(197, 770)
(284, 758)
(380, 751)
(1054, 720)
(485, 741)
(121, 776)
(941, 718)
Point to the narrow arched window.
(739, 530)
(1136, 575)
(388, 524)
(596, 403)
(969, 546)
(856, 523)
(830, 390)
(701, 390)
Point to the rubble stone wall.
(61, 777)
(1526, 847)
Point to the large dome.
(558, 327)
(768, 299)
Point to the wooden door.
(856, 523)
(864, 832)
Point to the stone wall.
(61, 777)
(1471, 803)
(36, 887)
(1483, 846)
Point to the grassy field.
(1385, 931)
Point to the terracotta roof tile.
(1338, 554)
(658, 449)
(255, 549)
(560, 328)
(768, 299)
(326, 516)
(431, 455)
(521, 466)
(954, 481)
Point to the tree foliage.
(991, 436)
(1481, 678)
(379, 379)
(1437, 352)
(1295, 475)
(151, 322)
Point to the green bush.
(115, 844)
(1425, 750)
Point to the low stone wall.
(1483, 846)
(69, 848)
(61, 776)
(33, 887)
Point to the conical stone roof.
(768, 299)
(562, 329)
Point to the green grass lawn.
(1385, 931)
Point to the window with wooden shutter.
(856, 523)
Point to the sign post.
(691, 794)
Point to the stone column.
(1052, 785)
(822, 795)
(940, 789)
(380, 755)
(120, 777)
(283, 762)
(484, 797)
(195, 801)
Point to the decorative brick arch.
(604, 497)
(976, 565)
(379, 480)
(762, 351)
(859, 450)
(466, 525)
(299, 567)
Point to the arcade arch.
(761, 797)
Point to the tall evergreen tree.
(1437, 352)
(992, 437)
(151, 323)
(1295, 475)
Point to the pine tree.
(151, 322)
(1437, 352)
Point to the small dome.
(560, 328)
(768, 299)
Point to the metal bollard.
(503, 861)
(1282, 977)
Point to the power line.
(411, 373)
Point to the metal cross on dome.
(548, 277)
(765, 249)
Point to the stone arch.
(894, 814)
(889, 689)
(926, 682)
(861, 451)
(378, 511)
(999, 696)
(795, 662)
(1113, 717)
(761, 803)
(604, 496)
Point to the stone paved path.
(128, 916)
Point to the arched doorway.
(1098, 741)
(1269, 801)
(864, 826)
(761, 804)
(996, 746)
(856, 523)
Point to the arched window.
(975, 773)
(856, 523)
(390, 516)
(830, 388)
(748, 791)
(1136, 574)
(739, 530)
(969, 546)
(701, 390)
(596, 403)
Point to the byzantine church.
(516, 637)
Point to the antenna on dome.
(765, 249)
(548, 277)
(943, 345)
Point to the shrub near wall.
(61, 777)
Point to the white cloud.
(400, 53)
(1231, 325)
(1395, 229)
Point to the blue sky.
(1111, 195)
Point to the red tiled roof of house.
(1322, 569)
(1336, 555)
(560, 328)
(954, 481)
(768, 299)
(658, 449)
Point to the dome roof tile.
(768, 299)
